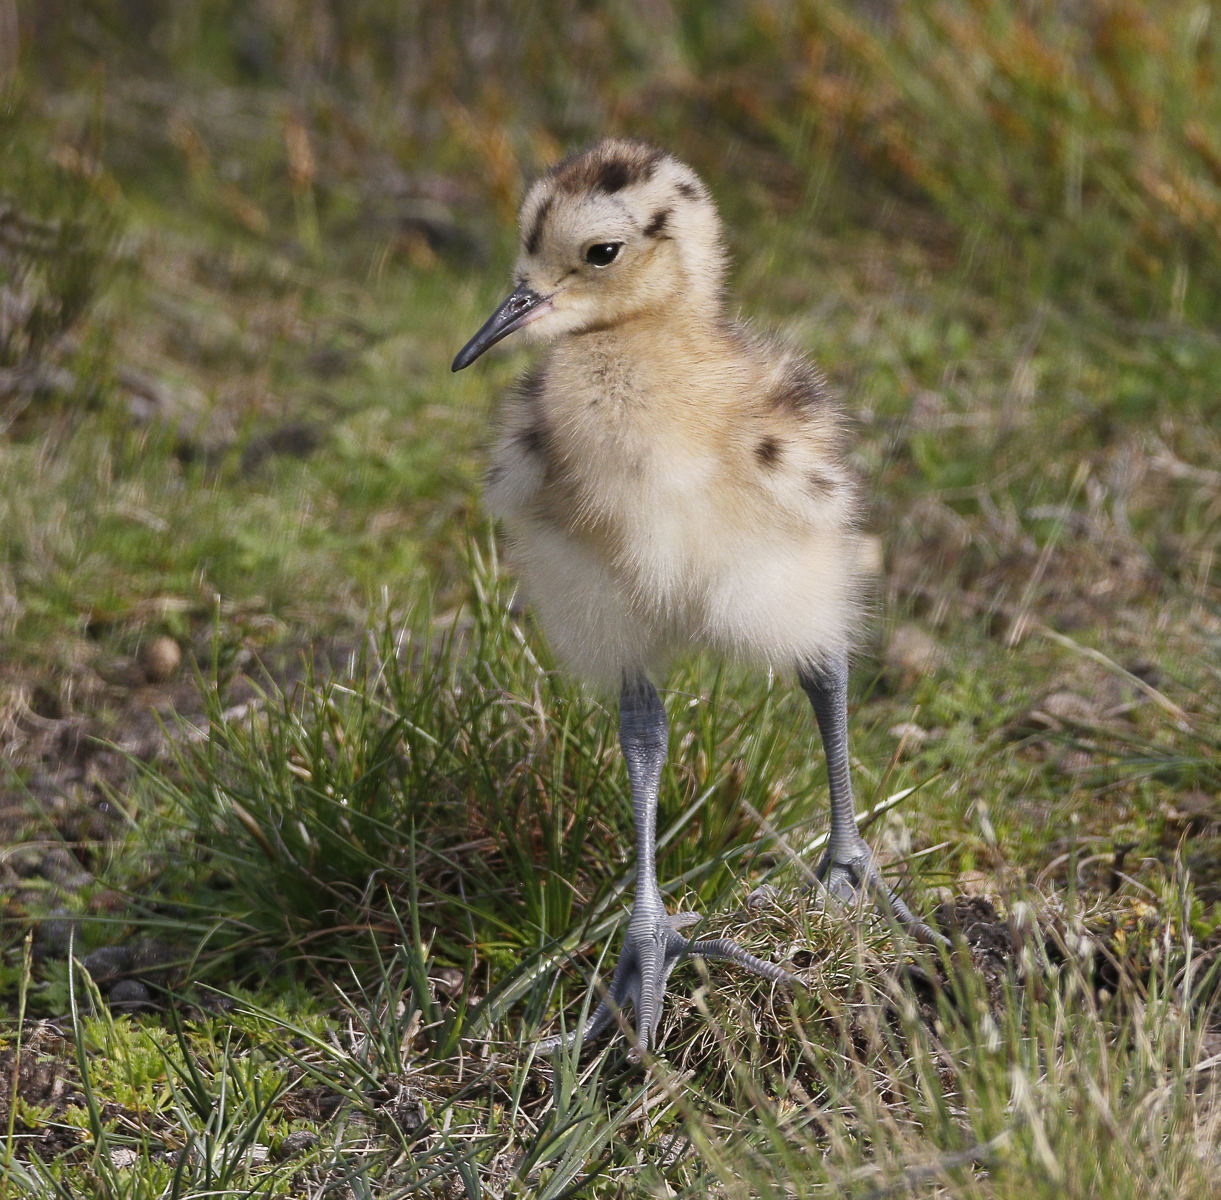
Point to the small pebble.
(1068, 706)
(447, 980)
(107, 963)
(128, 995)
(912, 651)
(297, 1143)
(53, 933)
(63, 869)
(162, 658)
(151, 958)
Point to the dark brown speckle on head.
(768, 451)
(609, 167)
(613, 176)
(535, 237)
(657, 223)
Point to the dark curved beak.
(512, 314)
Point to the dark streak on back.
(799, 394)
(535, 440)
(529, 387)
(819, 486)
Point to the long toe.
(853, 876)
(659, 948)
(652, 949)
(624, 987)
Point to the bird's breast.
(653, 502)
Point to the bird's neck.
(680, 338)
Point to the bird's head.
(614, 232)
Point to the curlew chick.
(668, 480)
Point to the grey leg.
(848, 868)
(653, 946)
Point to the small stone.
(908, 732)
(54, 933)
(1068, 706)
(1074, 762)
(976, 883)
(128, 995)
(295, 1144)
(447, 980)
(1196, 809)
(912, 651)
(64, 869)
(122, 671)
(1199, 804)
(1056, 711)
(107, 901)
(151, 958)
(162, 658)
(764, 896)
(107, 963)
(26, 860)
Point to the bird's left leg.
(848, 868)
(653, 946)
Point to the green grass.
(863, 1087)
(396, 857)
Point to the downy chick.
(669, 480)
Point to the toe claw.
(652, 949)
(855, 875)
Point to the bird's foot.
(652, 949)
(852, 875)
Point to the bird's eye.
(602, 254)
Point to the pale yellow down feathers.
(667, 479)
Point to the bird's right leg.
(653, 946)
(848, 868)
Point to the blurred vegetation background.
(1064, 154)
(1091, 125)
